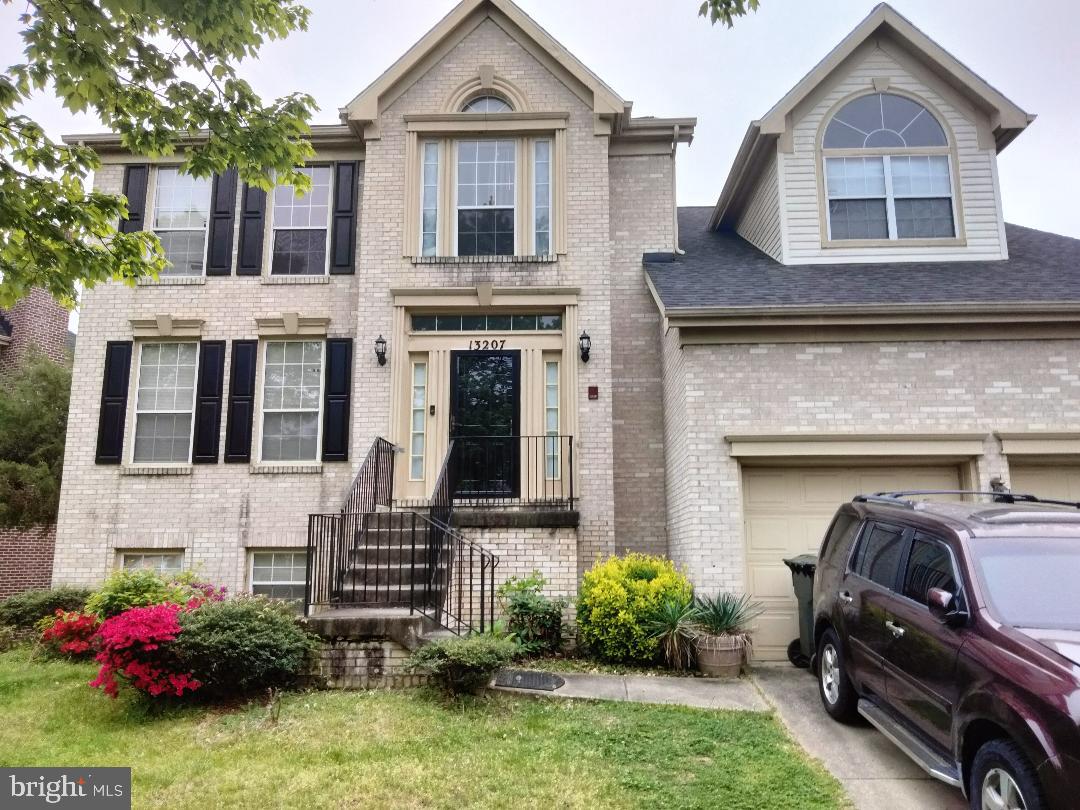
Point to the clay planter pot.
(721, 656)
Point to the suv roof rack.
(907, 498)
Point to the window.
(878, 556)
(292, 395)
(165, 403)
(418, 419)
(487, 104)
(542, 197)
(486, 323)
(164, 562)
(871, 194)
(552, 465)
(486, 176)
(181, 214)
(300, 226)
(429, 214)
(842, 529)
(929, 566)
(279, 574)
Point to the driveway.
(873, 771)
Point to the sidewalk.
(704, 693)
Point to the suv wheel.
(1003, 779)
(837, 694)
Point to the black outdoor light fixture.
(585, 344)
(380, 349)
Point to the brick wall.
(36, 320)
(26, 558)
(352, 664)
(642, 219)
(857, 388)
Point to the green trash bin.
(802, 578)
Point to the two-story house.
(490, 274)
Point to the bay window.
(165, 403)
(181, 218)
(301, 226)
(291, 400)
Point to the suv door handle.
(845, 597)
(897, 630)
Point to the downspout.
(674, 199)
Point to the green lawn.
(407, 749)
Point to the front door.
(484, 411)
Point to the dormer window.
(487, 104)
(887, 172)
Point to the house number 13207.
(487, 344)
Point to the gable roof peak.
(461, 19)
(1007, 120)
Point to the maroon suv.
(954, 628)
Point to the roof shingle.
(721, 269)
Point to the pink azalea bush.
(135, 647)
(70, 633)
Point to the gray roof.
(721, 269)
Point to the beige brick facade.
(217, 513)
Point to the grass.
(577, 663)
(406, 749)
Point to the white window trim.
(260, 381)
(272, 228)
(557, 455)
(270, 550)
(517, 181)
(438, 167)
(423, 410)
(889, 197)
(533, 142)
(206, 228)
(130, 453)
(165, 552)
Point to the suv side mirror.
(942, 606)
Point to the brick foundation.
(26, 558)
(355, 664)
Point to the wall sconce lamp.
(380, 349)
(585, 344)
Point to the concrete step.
(393, 554)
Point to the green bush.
(619, 601)
(244, 644)
(532, 619)
(24, 610)
(135, 588)
(463, 665)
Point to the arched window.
(487, 104)
(887, 172)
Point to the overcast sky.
(671, 62)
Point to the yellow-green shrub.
(618, 600)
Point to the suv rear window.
(878, 556)
(840, 532)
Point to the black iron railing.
(493, 471)
(374, 482)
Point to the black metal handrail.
(534, 471)
(374, 482)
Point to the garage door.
(1058, 481)
(787, 511)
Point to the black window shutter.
(208, 401)
(114, 394)
(241, 400)
(222, 211)
(343, 236)
(252, 227)
(135, 177)
(336, 399)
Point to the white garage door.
(787, 510)
(1059, 481)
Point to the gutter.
(320, 134)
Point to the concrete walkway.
(873, 771)
(703, 693)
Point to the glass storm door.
(484, 407)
